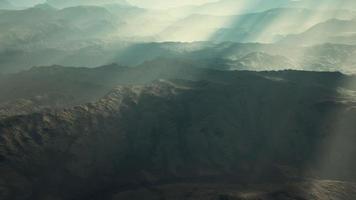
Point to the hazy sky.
(167, 3)
(25, 2)
(176, 3)
(141, 3)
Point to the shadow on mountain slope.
(241, 128)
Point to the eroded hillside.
(252, 128)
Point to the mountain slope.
(265, 26)
(56, 87)
(331, 31)
(312, 189)
(43, 26)
(231, 7)
(261, 61)
(246, 128)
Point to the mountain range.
(222, 100)
(331, 31)
(228, 55)
(264, 128)
(104, 34)
(265, 26)
(231, 7)
(72, 3)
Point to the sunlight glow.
(163, 4)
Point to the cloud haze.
(166, 4)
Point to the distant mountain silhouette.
(331, 31)
(71, 3)
(267, 26)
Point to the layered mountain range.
(67, 3)
(222, 100)
(88, 33)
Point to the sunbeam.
(180, 99)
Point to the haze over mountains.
(177, 100)
(70, 32)
(68, 3)
(4, 4)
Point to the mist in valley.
(177, 100)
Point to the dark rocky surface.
(262, 129)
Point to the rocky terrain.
(192, 100)
(311, 189)
(223, 130)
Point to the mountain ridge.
(137, 133)
(66, 3)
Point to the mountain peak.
(45, 6)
